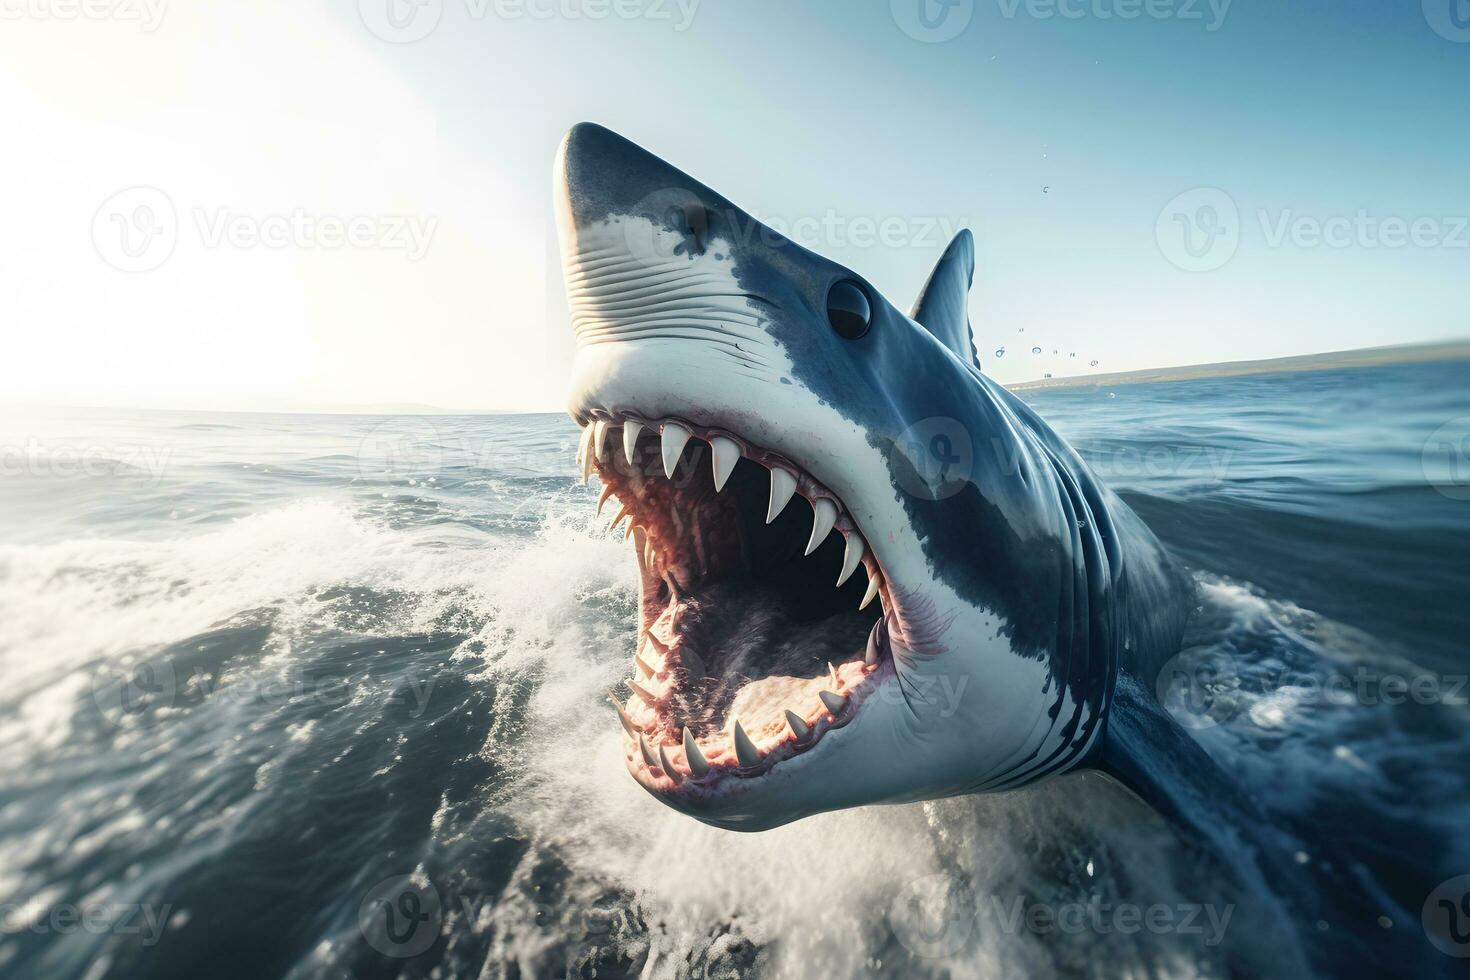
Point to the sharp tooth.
(602, 499)
(834, 703)
(724, 454)
(870, 658)
(622, 513)
(628, 725)
(851, 557)
(670, 771)
(648, 756)
(631, 430)
(629, 532)
(798, 727)
(643, 666)
(745, 750)
(693, 756)
(658, 645)
(872, 591)
(599, 440)
(783, 485)
(584, 442)
(675, 436)
(640, 539)
(832, 673)
(586, 454)
(824, 515)
(643, 695)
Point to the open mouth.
(759, 632)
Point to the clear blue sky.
(1064, 140)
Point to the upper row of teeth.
(724, 454)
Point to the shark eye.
(848, 309)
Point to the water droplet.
(1000, 352)
(1036, 350)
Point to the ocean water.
(321, 696)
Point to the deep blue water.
(259, 667)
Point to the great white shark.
(868, 572)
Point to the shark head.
(868, 573)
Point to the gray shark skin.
(1025, 609)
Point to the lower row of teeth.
(724, 454)
(746, 754)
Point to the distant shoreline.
(1452, 350)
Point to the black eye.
(848, 309)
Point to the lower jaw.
(715, 796)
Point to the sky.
(281, 204)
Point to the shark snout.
(654, 286)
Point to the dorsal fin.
(943, 304)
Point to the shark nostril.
(693, 218)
